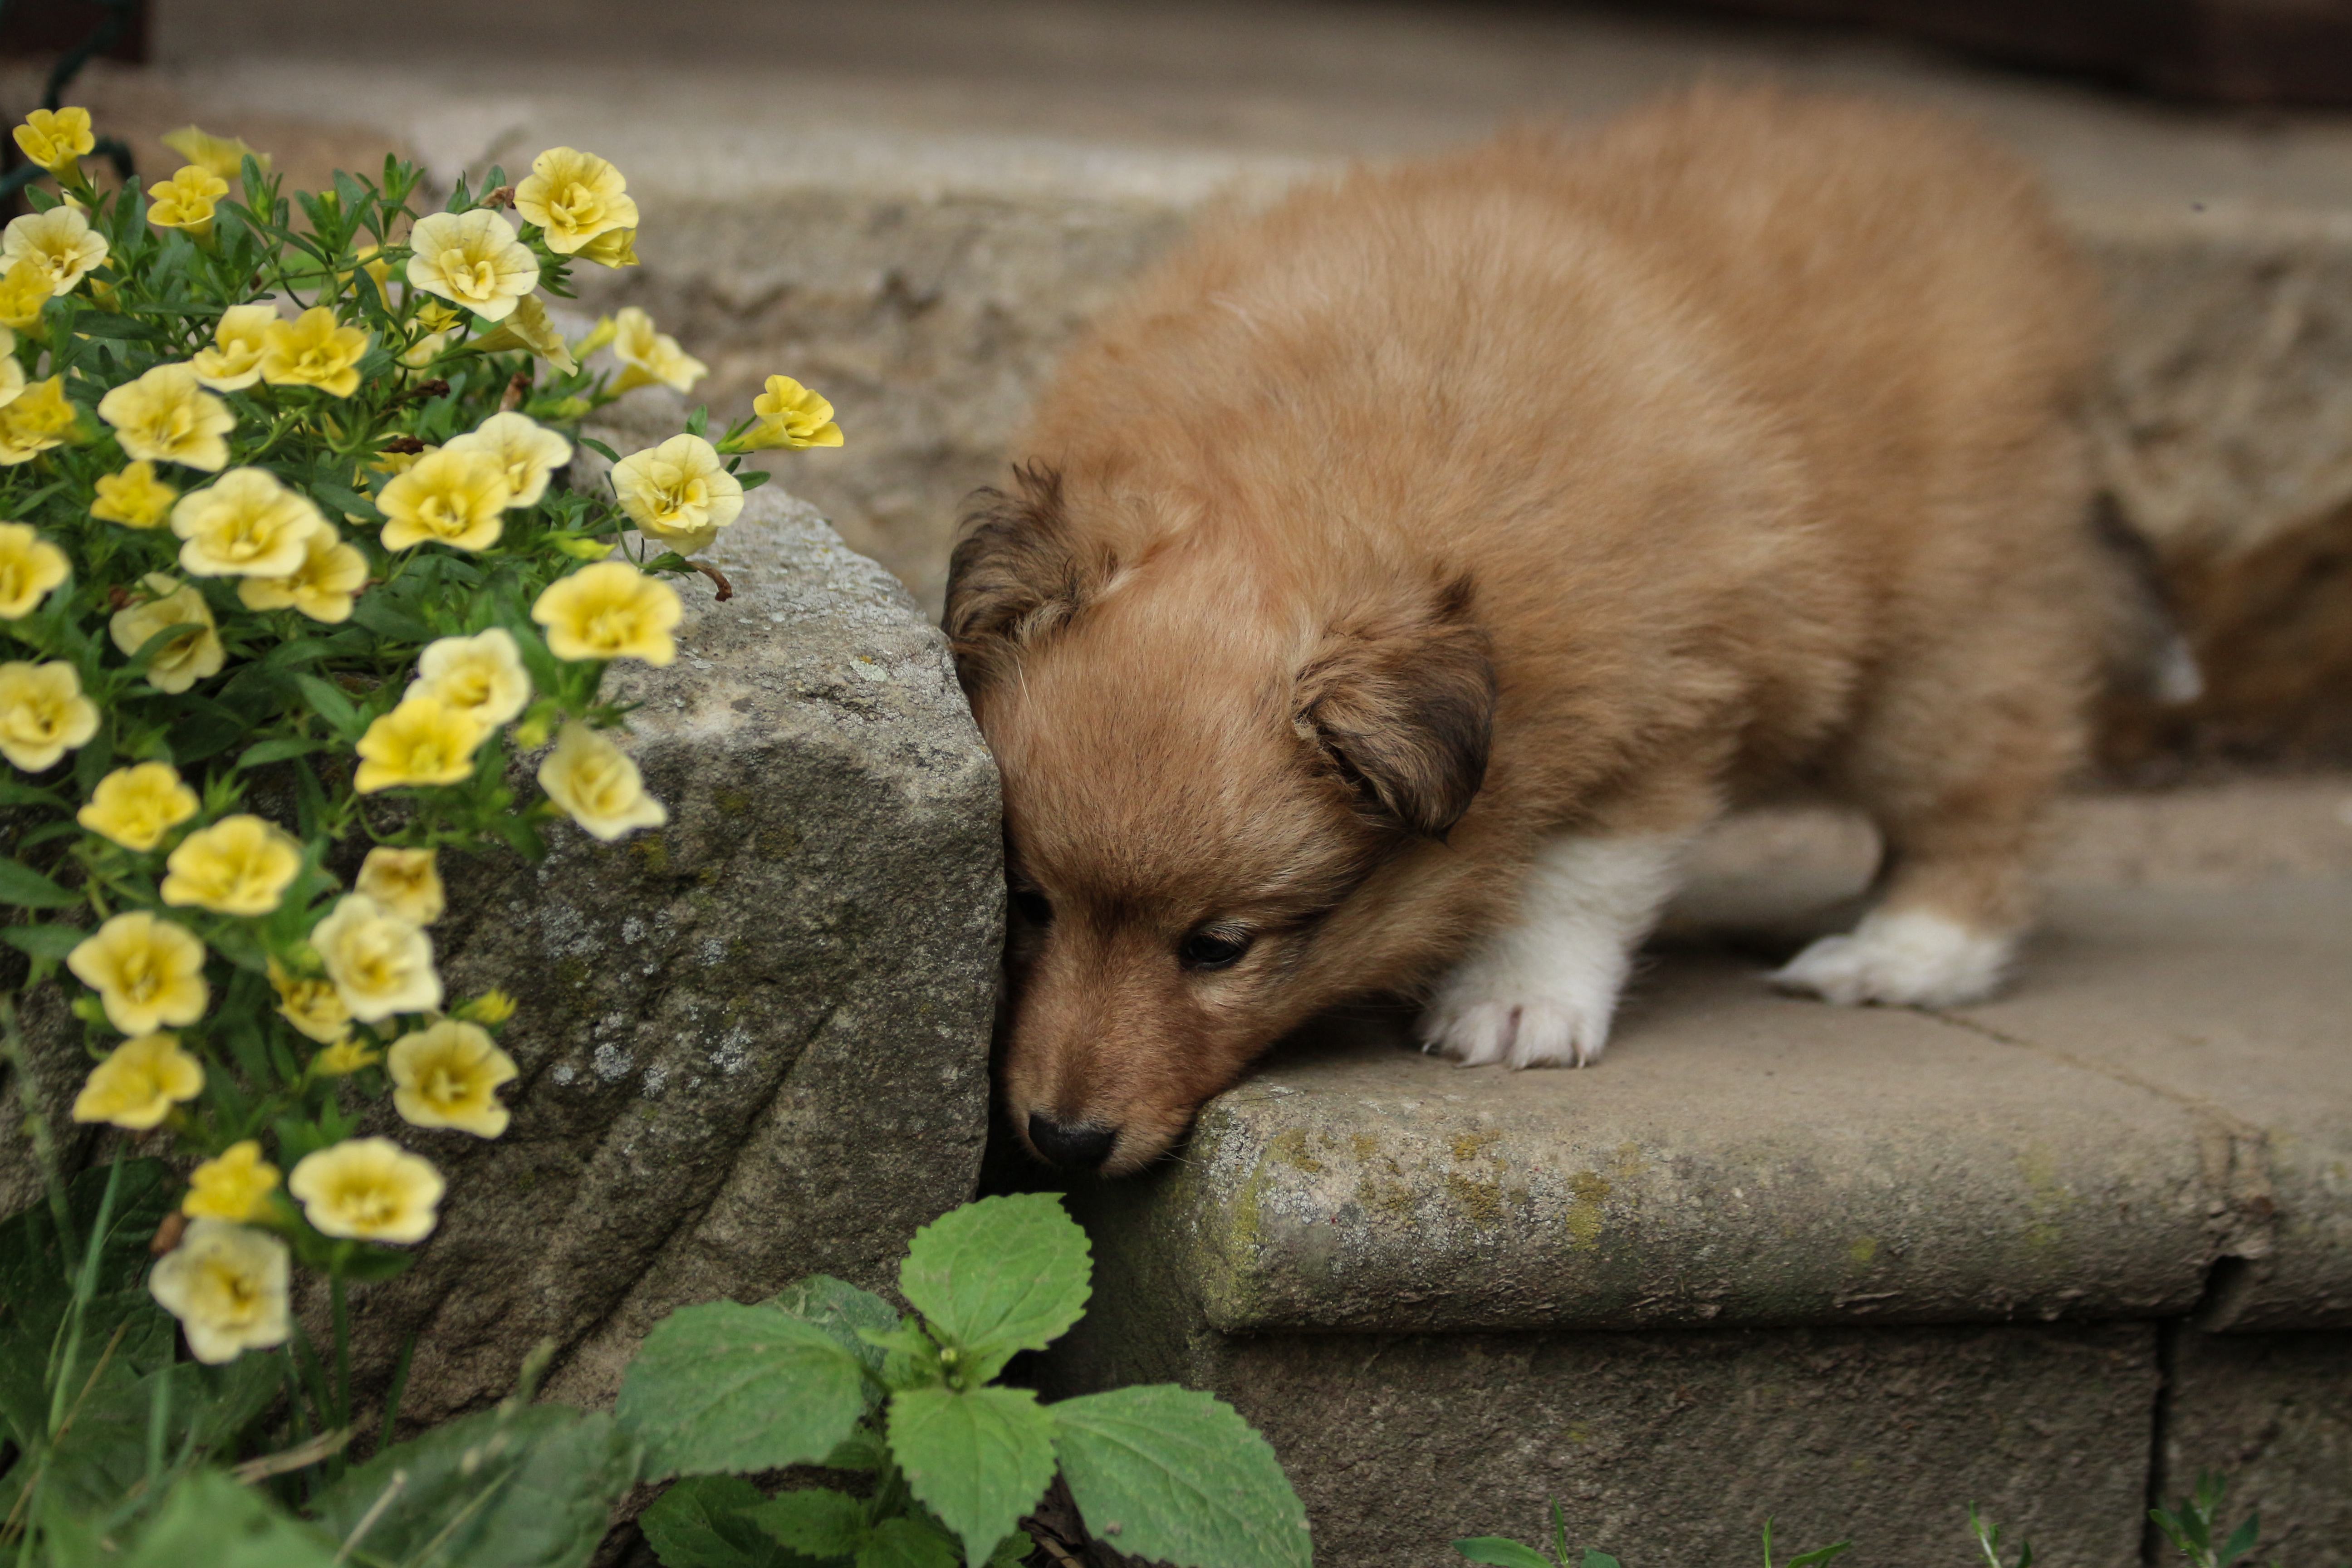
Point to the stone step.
(914, 206)
(1858, 1266)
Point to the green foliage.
(955, 1460)
(1502, 1552)
(1987, 1536)
(2192, 1522)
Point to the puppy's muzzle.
(1075, 1145)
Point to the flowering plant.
(284, 572)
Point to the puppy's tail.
(2146, 655)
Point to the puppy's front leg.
(1541, 991)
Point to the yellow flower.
(380, 963)
(472, 259)
(393, 464)
(322, 587)
(345, 1058)
(234, 362)
(481, 676)
(312, 350)
(59, 243)
(574, 196)
(240, 866)
(530, 327)
(24, 290)
(43, 715)
(613, 248)
(12, 374)
(164, 416)
(368, 1189)
(54, 140)
(134, 498)
(375, 268)
(187, 200)
(648, 356)
(244, 524)
(422, 741)
(492, 1007)
(597, 785)
(447, 1076)
(148, 972)
(310, 1005)
(135, 806)
(232, 1185)
(226, 1284)
(222, 155)
(792, 416)
(139, 1083)
(194, 653)
(610, 610)
(678, 492)
(30, 567)
(449, 497)
(435, 317)
(425, 350)
(36, 421)
(406, 882)
(529, 451)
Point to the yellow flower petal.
(59, 244)
(447, 1076)
(187, 200)
(406, 882)
(472, 259)
(528, 452)
(647, 356)
(597, 785)
(134, 498)
(323, 587)
(234, 362)
(312, 350)
(610, 610)
(139, 1083)
(135, 806)
(423, 740)
(678, 492)
(240, 866)
(244, 524)
(148, 972)
(43, 715)
(167, 416)
(792, 416)
(449, 497)
(222, 155)
(34, 421)
(194, 655)
(226, 1284)
(368, 1189)
(480, 675)
(232, 1185)
(312, 1005)
(24, 290)
(30, 567)
(380, 963)
(574, 196)
(55, 139)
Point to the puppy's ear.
(1016, 572)
(1401, 701)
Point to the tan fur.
(1729, 443)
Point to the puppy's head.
(1198, 773)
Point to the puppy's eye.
(1216, 947)
(1033, 907)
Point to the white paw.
(1907, 959)
(1523, 1011)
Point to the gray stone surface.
(2273, 1413)
(1673, 1448)
(754, 1043)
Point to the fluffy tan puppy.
(1398, 579)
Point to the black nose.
(1074, 1146)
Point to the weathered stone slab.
(2234, 1007)
(1673, 1447)
(2273, 1413)
(1739, 1159)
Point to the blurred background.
(913, 205)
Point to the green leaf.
(1819, 1555)
(15, 794)
(906, 1543)
(599, 447)
(841, 1310)
(346, 501)
(209, 1519)
(727, 1387)
(1502, 1552)
(528, 1486)
(816, 1521)
(278, 749)
(27, 889)
(979, 1459)
(51, 941)
(2241, 1540)
(1600, 1560)
(328, 701)
(1002, 1275)
(704, 1521)
(1165, 1472)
